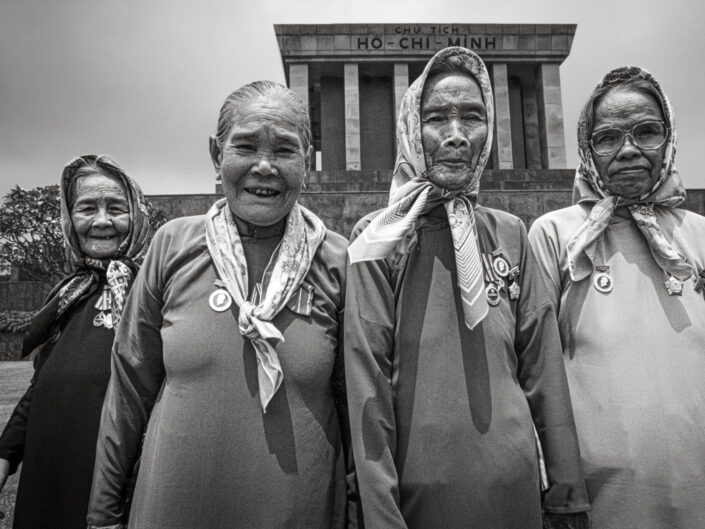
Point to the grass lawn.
(14, 379)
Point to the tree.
(30, 233)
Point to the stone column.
(532, 139)
(551, 116)
(352, 117)
(401, 84)
(298, 81)
(503, 123)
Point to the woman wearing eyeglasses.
(625, 268)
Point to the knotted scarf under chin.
(418, 197)
(412, 194)
(582, 247)
(284, 275)
(589, 188)
(119, 277)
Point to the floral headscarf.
(412, 194)
(119, 269)
(668, 191)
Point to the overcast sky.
(143, 80)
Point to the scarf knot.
(286, 271)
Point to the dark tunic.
(211, 457)
(54, 428)
(441, 416)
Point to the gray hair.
(260, 89)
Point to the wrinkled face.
(262, 163)
(453, 128)
(100, 215)
(630, 172)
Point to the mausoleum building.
(353, 76)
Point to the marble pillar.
(298, 81)
(503, 124)
(352, 117)
(551, 116)
(401, 84)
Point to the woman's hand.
(4, 472)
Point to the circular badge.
(492, 294)
(603, 282)
(220, 300)
(103, 319)
(501, 266)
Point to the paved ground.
(14, 378)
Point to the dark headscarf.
(119, 270)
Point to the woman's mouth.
(632, 170)
(262, 191)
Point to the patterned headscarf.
(413, 194)
(120, 269)
(668, 191)
(283, 276)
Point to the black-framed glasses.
(645, 135)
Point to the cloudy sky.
(143, 79)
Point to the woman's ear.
(216, 154)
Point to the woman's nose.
(455, 137)
(628, 148)
(102, 218)
(264, 167)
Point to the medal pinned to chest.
(602, 280)
(674, 286)
(514, 288)
(220, 299)
(104, 318)
(498, 272)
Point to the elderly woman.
(230, 347)
(54, 427)
(452, 349)
(624, 267)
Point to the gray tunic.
(211, 458)
(441, 416)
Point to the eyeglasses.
(645, 135)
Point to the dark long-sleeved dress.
(441, 416)
(54, 427)
(211, 457)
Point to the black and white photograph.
(376, 264)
